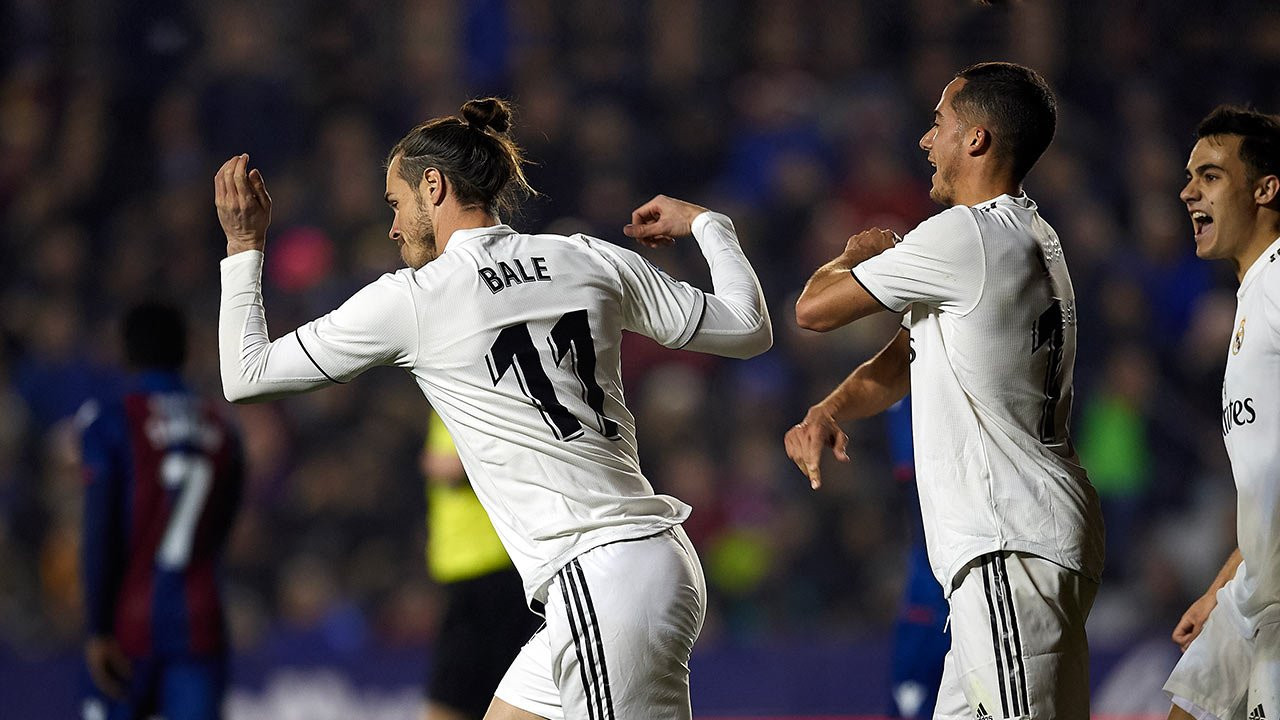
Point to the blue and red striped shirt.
(163, 478)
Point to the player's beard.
(419, 246)
(943, 190)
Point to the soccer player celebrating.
(1012, 525)
(163, 476)
(515, 339)
(1231, 636)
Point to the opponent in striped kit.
(515, 340)
(163, 475)
(1012, 525)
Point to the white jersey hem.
(536, 586)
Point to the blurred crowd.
(799, 120)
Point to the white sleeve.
(654, 304)
(376, 326)
(941, 264)
(735, 322)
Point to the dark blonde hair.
(474, 151)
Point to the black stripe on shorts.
(583, 665)
(995, 637)
(595, 625)
(587, 642)
(1017, 637)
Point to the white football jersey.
(992, 318)
(1251, 430)
(515, 341)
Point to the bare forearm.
(825, 277)
(1228, 571)
(874, 385)
(833, 297)
(235, 247)
(838, 269)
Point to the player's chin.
(1206, 244)
(411, 260)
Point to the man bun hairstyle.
(1015, 104)
(487, 113)
(155, 336)
(1259, 137)
(474, 152)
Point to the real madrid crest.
(1239, 338)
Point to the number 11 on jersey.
(570, 337)
(1049, 330)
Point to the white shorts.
(621, 622)
(1227, 676)
(1018, 644)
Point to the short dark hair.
(473, 150)
(1015, 103)
(155, 336)
(1259, 137)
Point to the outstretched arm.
(1192, 622)
(871, 388)
(735, 320)
(253, 368)
(376, 326)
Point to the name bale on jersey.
(505, 275)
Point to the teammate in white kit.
(1231, 637)
(987, 345)
(515, 339)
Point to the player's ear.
(977, 140)
(433, 183)
(1266, 190)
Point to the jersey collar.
(1268, 256)
(1021, 200)
(467, 234)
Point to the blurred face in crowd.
(411, 228)
(1220, 198)
(944, 142)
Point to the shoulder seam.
(982, 285)
(614, 270)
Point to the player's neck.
(983, 186)
(453, 219)
(1265, 232)
(979, 193)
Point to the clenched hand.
(244, 206)
(661, 220)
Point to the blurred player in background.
(1231, 636)
(987, 348)
(515, 340)
(163, 474)
(485, 621)
(920, 639)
